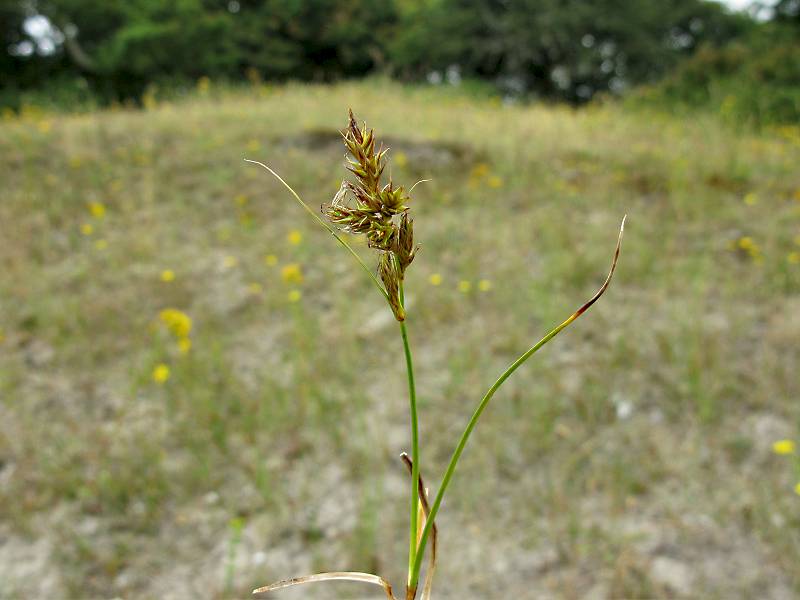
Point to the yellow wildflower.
(435, 279)
(167, 275)
(495, 182)
(203, 85)
(793, 258)
(464, 286)
(747, 244)
(292, 273)
(271, 260)
(255, 288)
(184, 345)
(797, 488)
(294, 237)
(484, 285)
(45, 126)
(177, 321)
(97, 209)
(149, 99)
(253, 145)
(751, 199)
(783, 447)
(295, 295)
(101, 244)
(229, 262)
(87, 229)
(480, 170)
(161, 373)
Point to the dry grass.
(631, 458)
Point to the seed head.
(404, 247)
(389, 272)
(380, 212)
(365, 164)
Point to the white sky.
(741, 4)
(737, 3)
(764, 13)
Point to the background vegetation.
(633, 458)
(751, 80)
(78, 52)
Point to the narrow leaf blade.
(332, 576)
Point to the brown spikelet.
(404, 244)
(352, 128)
(390, 275)
(379, 212)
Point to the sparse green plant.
(236, 525)
(381, 213)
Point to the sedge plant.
(380, 212)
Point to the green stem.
(412, 397)
(451, 467)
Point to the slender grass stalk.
(412, 394)
(381, 213)
(330, 229)
(462, 442)
(412, 399)
(422, 492)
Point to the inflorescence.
(364, 207)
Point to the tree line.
(568, 50)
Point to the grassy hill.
(145, 455)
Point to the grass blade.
(462, 442)
(423, 499)
(333, 576)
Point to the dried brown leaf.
(333, 576)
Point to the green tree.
(122, 45)
(787, 11)
(313, 39)
(560, 49)
(754, 79)
(567, 49)
(11, 35)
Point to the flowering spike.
(353, 128)
(404, 244)
(379, 211)
(390, 275)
